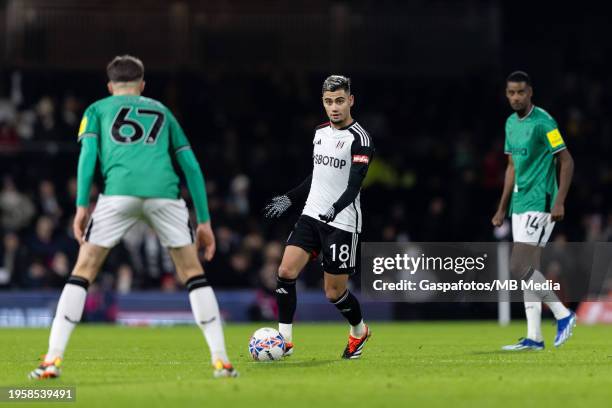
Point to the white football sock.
(558, 309)
(550, 297)
(533, 313)
(206, 313)
(68, 314)
(286, 330)
(359, 330)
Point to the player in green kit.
(134, 138)
(534, 146)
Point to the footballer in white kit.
(331, 219)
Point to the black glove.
(277, 206)
(328, 216)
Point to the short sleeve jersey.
(533, 142)
(334, 152)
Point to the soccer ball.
(267, 344)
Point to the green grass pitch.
(405, 364)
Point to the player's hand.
(498, 218)
(557, 212)
(206, 239)
(277, 206)
(329, 216)
(80, 221)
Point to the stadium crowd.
(436, 177)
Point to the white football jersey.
(334, 152)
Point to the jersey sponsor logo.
(83, 125)
(329, 161)
(519, 151)
(339, 145)
(361, 158)
(318, 142)
(554, 138)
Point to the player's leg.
(303, 243)
(70, 308)
(523, 259)
(339, 262)
(170, 220)
(566, 320)
(531, 233)
(337, 292)
(204, 306)
(112, 217)
(294, 260)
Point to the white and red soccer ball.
(267, 344)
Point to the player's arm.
(566, 171)
(361, 155)
(556, 146)
(195, 184)
(197, 188)
(279, 204)
(88, 137)
(502, 209)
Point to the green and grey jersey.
(136, 138)
(533, 141)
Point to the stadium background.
(244, 80)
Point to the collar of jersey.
(343, 128)
(527, 115)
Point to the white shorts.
(532, 227)
(115, 215)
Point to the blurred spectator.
(16, 208)
(9, 140)
(48, 202)
(13, 261)
(239, 196)
(45, 127)
(125, 276)
(265, 307)
(71, 110)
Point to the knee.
(286, 272)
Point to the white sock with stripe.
(68, 313)
(206, 313)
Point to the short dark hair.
(125, 68)
(519, 76)
(334, 82)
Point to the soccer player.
(331, 220)
(135, 139)
(534, 146)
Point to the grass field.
(411, 364)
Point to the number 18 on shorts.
(339, 248)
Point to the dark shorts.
(339, 248)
